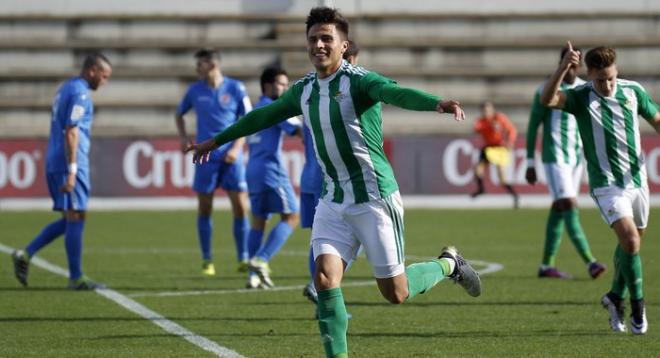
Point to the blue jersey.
(216, 108)
(311, 180)
(72, 107)
(265, 168)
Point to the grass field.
(145, 255)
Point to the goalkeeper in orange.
(498, 134)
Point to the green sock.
(631, 268)
(424, 275)
(553, 230)
(618, 282)
(333, 322)
(575, 232)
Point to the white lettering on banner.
(180, 166)
(130, 164)
(450, 161)
(652, 166)
(10, 169)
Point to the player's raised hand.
(451, 106)
(571, 57)
(202, 151)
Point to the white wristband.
(73, 168)
(530, 163)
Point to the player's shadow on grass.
(34, 289)
(140, 319)
(486, 334)
(475, 303)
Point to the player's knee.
(291, 219)
(396, 297)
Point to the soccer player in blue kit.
(269, 185)
(219, 101)
(67, 170)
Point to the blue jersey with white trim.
(216, 108)
(265, 168)
(72, 107)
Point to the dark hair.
(269, 74)
(326, 15)
(207, 54)
(94, 59)
(600, 57)
(565, 49)
(352, 50)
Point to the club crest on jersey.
(224, 99)
(339, 96)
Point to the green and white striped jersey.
(561, 140)
(610, 132)
(343, 113)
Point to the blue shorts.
(308, 203)
(75, 200)
(281, 200)
(213, 174)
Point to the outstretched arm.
(258, 119)
(655, 122)
(409, 98)
(551, 96)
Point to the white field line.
(144, 312)
(489, 267)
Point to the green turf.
(150, 252)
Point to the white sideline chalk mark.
(490, 267)
(139, 309)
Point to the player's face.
(280, 85)
(325, 47)
(487, 110)
(204, 68)
(604, 80)
(99, 75)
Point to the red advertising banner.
(434, 165)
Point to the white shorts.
(616, 203)
(563, 179)
(339, 229)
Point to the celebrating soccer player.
(360, 201)
(606, 110)
(268, 184)
(67, 170)
(562, 161)
(219, 101)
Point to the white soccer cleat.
(616, 312)
(639, 327)
(463, 274)
(253, 282)
(261, 268)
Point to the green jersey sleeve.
(646, 107)
(571, 102)
(383, 89)
(278, 111)
(535, 119)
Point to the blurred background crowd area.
(470, 50)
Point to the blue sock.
(204, 234)
(241, 229)
(254, 241)
(51, 232)
(276, 239)
(311, 264)
(73, 244)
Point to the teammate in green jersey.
(360, 202)
(606, 110)
(563, 164)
